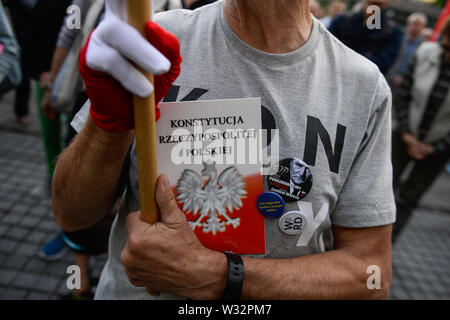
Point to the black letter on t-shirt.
(194, 95)
(315, 129)
(172, 94)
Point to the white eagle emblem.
(212, 198)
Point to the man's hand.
(107, 65)
(45, 79)
(416, 149)
(46, 83)
(398, 79)
(168, 257)
(422, 150)
(46, 105)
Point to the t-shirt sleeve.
(81, 117)
(367, 198)
(67, 36)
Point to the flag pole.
(139, 12)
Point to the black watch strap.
(233, 289)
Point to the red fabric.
(169, 46)
(444, 14)
(111, 103)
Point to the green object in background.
(51, 132)
(440, 3)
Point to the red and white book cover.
(211, 152)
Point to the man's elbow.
(62, 210)
(58, 204)
(379, 294)
(68, 221)
(370, 276)
(72, 214)
(62, 214)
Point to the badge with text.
(291, 179)
(293, 223)
(270, 205)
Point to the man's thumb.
(165, 198)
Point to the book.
(211, 152)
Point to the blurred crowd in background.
(38, 49)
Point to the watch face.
(291, 179)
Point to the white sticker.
(293, 223)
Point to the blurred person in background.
(194, 4)
(92, 241)
(164, 5)
(357, 6)
(21, 12)
(316, 9)
(336, 8)
(10, 75)
(412, 39)
(43, 36)
(381, 46)
(64, 43)
(422, 135)
(427, 33)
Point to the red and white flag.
(445, 13)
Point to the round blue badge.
(270, 204)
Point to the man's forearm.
(87, 175)
(331, 275)
(336, 274)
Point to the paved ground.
(421, 256)
(26, 220)
(26, 223)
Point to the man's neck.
(271, 26)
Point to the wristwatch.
(233, 288)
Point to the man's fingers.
(134, 223)
(130, 78)
(103, 58)
(170, 213)
(131, 44)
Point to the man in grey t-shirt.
(332, 109)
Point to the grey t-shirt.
(332, 108)
(67, 36)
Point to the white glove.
(114, 46)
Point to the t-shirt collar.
(271, 59)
